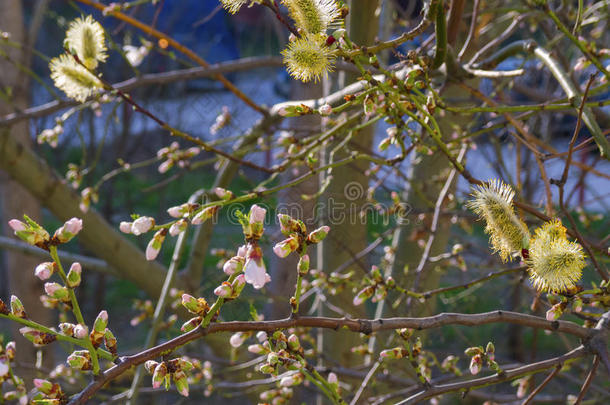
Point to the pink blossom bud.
(11, 350)
(319, 234)
(223, 194)
(43, 386)
(4, 366)
(44, 270)
(332, 378)
(395, 353)
(238, 285)
(178, 227)
(237, 339)
(142, 225)
(81, 331)
(101, 322)
(363, 295)
(261, 336)
(125, 227)
(56, 290)
(194, 305)
(69, 230)
(285, 247)
(80, 360)
(175, 212)
(224, 290)
(74, 275)
(160, 375)
(256, 349)
(16, 225)
(191, 324)
(181, 382)
(257, 214)
(475, 364)
(293, 342)
(303, 265)
(204, 215)
(554, 313)
(233, 265)
(165, 166)
(325, 109)
(154, 246)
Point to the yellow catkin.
(85, 38)
(308, 58)
(554, 262)
(313, 16)
(493, 202)
(73, 79)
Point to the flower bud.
(44, 270)
(69, 230)
(160, 375)
(332, 379)
(261, 336)
(325, 110)
(256, 349)
(237, 339)
(191, 324)
(4, 367)
(289, 225)
(194, 305)
(80, 360)
(11, 350)
(233, 265)
(287, 246)
(30, 231)
(490, 351)
(3, 309)
(395, 353)
(272, 358)
(57, 291)
(293, 342)
(554, 313)
(37, 337)
(17, 308)
(363, 295)
(44, 386)
(267, 369)
(80, 331)
(473, 351)
(110, 342)
(150, 366)
(291, 380)
(74, 275)
(319, 234)
(154, 246)
(303, 265)
(142, 225)
(181, 382)
(178, 227)
(67, 328)
(101, 322)
(223, 194)
(238, 285)
(204, 215)
(224, 290)
(475, 364)
(125, 226)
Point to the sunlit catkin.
(308, 58)
(73, 79)
(233, 6)
(85, 38)
(493, 202)
(312, 16)
(554, 262)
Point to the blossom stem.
(86, 342)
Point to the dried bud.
(37, 337)
(150, 366)
(3, 309)
(17, 308)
